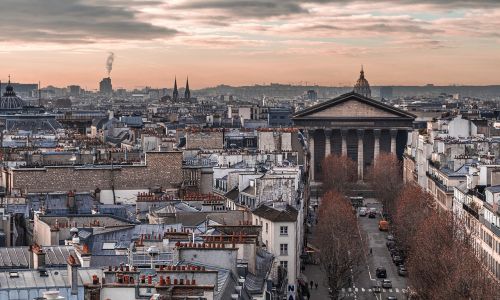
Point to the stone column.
(344, 141)
(361, 161)
(328, 142)
(376, 147)
(394, 133)
(310, 134)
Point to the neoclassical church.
(355, 125)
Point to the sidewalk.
(315, 273)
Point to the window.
(283, 249)
(267, 227)
(108, 246)
(284, 264)
(283, 230)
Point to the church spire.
(175, 94)
(187, 92)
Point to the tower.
(362, 86)
(175, 94)
(187, 92)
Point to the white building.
(281, 233)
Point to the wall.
(224, 258)
(205, 140)
(162, 169)
(272, 238)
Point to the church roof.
(312, 112)
(362, 86)
(10, 100)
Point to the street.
(380, 257)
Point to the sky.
(246, 42)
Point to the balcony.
(470, 210)
(493, 228)
(439, 183)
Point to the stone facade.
(162, 169)
(205, 140)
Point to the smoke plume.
(109, 62)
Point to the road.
(365, 279)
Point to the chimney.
(97, 193)
(73, 274)
(71, 202)
(38, 257)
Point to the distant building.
(279, 116)
(74, 90)
(23, 89)
(105, 86)
(312, 95)
(187, 92)
(386, 92)
(362, 86)
(175, 94)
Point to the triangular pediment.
(352, 109)
(354, 106)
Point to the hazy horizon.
(242, 43)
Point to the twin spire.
(187, 92)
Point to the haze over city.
(63, 42)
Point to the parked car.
(390, 244)
(372, 215)
(390, 237)
(362, 212)
(391, 298)
(394, 252)
(381, 272)
(386, 283)
(402, 271)
(398, 260)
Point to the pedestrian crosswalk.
(369, 290)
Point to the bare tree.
(413, 206)
(341, 248)
(386, 179)
(339, 173)
(443, 264)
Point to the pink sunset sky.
(246, 42)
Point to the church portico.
(353, 125)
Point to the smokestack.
(109, 62)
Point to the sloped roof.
(18, 257)
(287, 214)
(398, 113)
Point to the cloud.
(272, 8)
(246, 8)
(76, 21)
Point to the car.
(381, 272)
(402, 271)
(394, 252)
(386, 283)
(398, 260)
(362, 212)
(390, 237)
(372, 215)
(391, 298)
(390, 244)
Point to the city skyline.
(251, 42)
